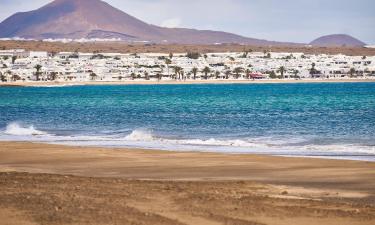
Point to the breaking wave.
(18, 130)
(58, 85)
(140, 135)
(144, 138)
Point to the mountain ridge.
(76, 19)
(79, 19)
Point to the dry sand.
(52, 184)
(174, 82)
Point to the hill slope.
(337, 40)
(97, 19)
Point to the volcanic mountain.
(337, 40)
(97, 19)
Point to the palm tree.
(53, 75)
(15, 77)
(312, 70)
(14, 59)
(9, 75)
(133, 76)
(93, 76)
(206, 71)
(37, 74)
(177, 71)
(227, 73)
(194, 71)
(272, 74)
(237, 71)
(217, 74)
(119, 77)
(248, 71)
(282, 70)
(352, 72)
(168, 62)
(2, 77)
(159, 76)
(245, 54)
(147, 77)
(296, 72)
(170, 55)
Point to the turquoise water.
(321, 120)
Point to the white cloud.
(171, 23)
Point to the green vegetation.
(193, 55)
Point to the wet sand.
(52, 184)
(174, 82)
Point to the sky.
(277, 20)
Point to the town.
(19, 65)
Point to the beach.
(226, 116)
(55, 184)
(326, 120)
(262, 153)
(175, 82)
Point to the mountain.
(97, 19)
(336, 40)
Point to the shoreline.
(56, 184)
(173, 82)
(343, 157)
(14, 152)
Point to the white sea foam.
(215, 142)
(18, 130)
(58, 85)
(143, 138)
(140, 135)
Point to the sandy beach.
(52, 184)
(162, 113)
(174, 82)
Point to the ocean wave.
(144, 138)
(140, 135)
(18, 130)
(145, 135)
(57, 85)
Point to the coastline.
(146, 164)
(55, 184)
(173, 82)
(126, 48)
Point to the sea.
(323, 120)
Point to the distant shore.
(124, 47)
(175, 82)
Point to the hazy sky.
(281, 20)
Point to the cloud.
(172, 23)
